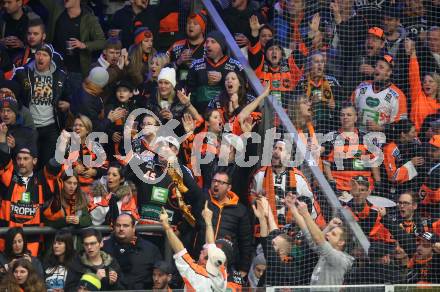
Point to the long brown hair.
(33, 282)
(81, 200)
(138, 67)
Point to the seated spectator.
(212, 277)
(114, 59)
(323, 90)
(16, 249)
(430, 189)
(68, 206)
(140, 56)
(28, 189)
(36, 36)
(10, 88)
(58, 260)
(425, 264)
(344, 161)
(89, 282)
(94, 260)
(184, 51)
(18, 135)
(379, 102)
(256, 271)
(135, 256)
(206, 75)
(333, 262)
(366, 215)
(156, 63)
(424, 94)
(162, 275)
(111, 196)
(88, 100)
(403, 157)
(45, 94)
(22, 277)
(271, 66)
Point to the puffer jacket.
(81, 265)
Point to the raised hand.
(410, 47)
(207, 214)
(188, 122)
(302, 208)
(163, 217)
(184, 99)
(316, 20)
(259, 209)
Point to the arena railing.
(271, 108)
(104, 229)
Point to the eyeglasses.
(404, 203)
(220, 182)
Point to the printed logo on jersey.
(159, 194)
(22, 212)
(372, 101)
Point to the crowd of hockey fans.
(344, 71)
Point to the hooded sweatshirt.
(42, 99)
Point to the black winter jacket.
(136, 261)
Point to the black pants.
(47, 140)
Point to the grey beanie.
(98, 76)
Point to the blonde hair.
(86, 122)
(162, 58)
(436, 77)
(170, 97)
(294, 107)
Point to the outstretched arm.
(207, 216)
(175, 243)
(315, 231)
(251, 107)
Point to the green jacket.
(90, 31)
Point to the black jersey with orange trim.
(197, 80)
(345, 159)
(429, 192)
(424, 271)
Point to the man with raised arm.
(333, 262)
(196, 277)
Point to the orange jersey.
(398, 171)
(421, 105)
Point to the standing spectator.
(68, 206)
(403, 158)
(414, 20)
(18, 134)
(58, 260)
(275, 181)
(111, 196)
(162, 275)
(231, 219)
(88, 101)
(135, 256)
(430, 189)
(323, 90)
(114, 59)
(140, 56)
(149, 85)
(27, 188)
(17, 248)
(122, 24)
(206, 75)
(344, 161)
(379, 102)
(76, 33)
(46, 96)
(22, 277)
(424, 94)
(14, 24)
(395, 33)
(94, 260)
(333, 262)
(184, 51)
(212, 277)
(36, 36)
(236, 18)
